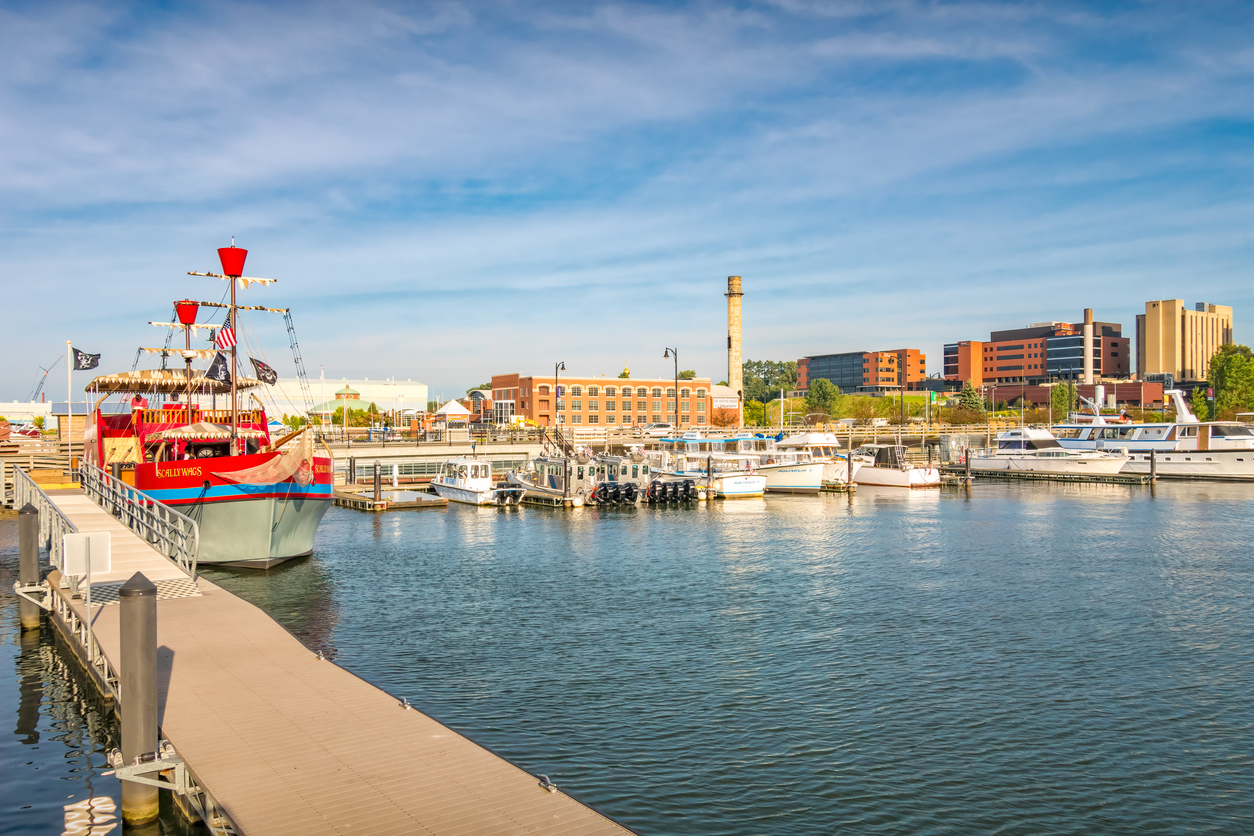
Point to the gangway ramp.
(286, 742)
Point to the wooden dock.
(1036, 476)
(285, 742)
(365, 501)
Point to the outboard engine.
(629, 492)
(672, 491)
(690, 490)
(616, 494)
(602, 494)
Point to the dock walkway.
(286, 742)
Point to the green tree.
(624, 374)
(38, 422)
(1231, 374)
(1198, 404)
(755, 414)
(822, 396)
(969, 398)
(487, 385)
(764, 378)
(1060, 401)
(432, 406)
(688, 374)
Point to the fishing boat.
(258, 500)
(469, 481)
(1185, 448)
(1031, 450)
(886, 464)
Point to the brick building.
(864, 371)
(1041, 352)
(593, 401)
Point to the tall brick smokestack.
(735, 369)
(1088, 345)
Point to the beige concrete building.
(1172, 339)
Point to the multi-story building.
(1172, 340)
(1042, 351)
(864, 371)
(585, 401)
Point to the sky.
(446, 191)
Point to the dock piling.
(1153, 466)
(378, 481)
(138, 631)
(28, 561)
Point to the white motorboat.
(1037, 451)
(469, 481)
(1182, 449)
(885, 464)
(825, 448)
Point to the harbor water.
(1022, 658)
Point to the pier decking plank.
(289, 743)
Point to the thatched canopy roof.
(163, 381)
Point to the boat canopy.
(163, 381)
(204, 430)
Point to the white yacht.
(885, 464)
(1183, 449)
(1037, 451)
(825, 448)
(469, 481)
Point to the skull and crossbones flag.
(219, 370)
(83, 360)
(265, 373)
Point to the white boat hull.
(911, 477)
(465, 496)
(1071, 465)
(802, 477)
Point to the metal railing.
(53, 523)
(175, 535)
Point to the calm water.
(1030, 659)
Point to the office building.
(1040, 352)
(593, 401)
(1173, 340)
(864, 371)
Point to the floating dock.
(839, 487)
(277, 740)
(1036, 476)
(365, 501)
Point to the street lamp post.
(674, 352)
(557, 392)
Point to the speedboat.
(1037, 451)
(885, 464)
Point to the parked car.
(658, 430)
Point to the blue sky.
(450, 190)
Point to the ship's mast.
(234, 370)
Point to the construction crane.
(39, 388)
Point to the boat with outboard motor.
(886, 464)
(469, 481)
(1030, 450)
(1185, 448)
(257, 501)
(723, 468)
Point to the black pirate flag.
(83, 360)
(265, 373)
(219, 370)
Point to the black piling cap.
(138, 587)
(29, 508)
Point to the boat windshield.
(1230, 431)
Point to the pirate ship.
(258, 500)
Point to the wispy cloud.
(879, 173)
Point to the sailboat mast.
(234, 375)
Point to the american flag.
(226, 337)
